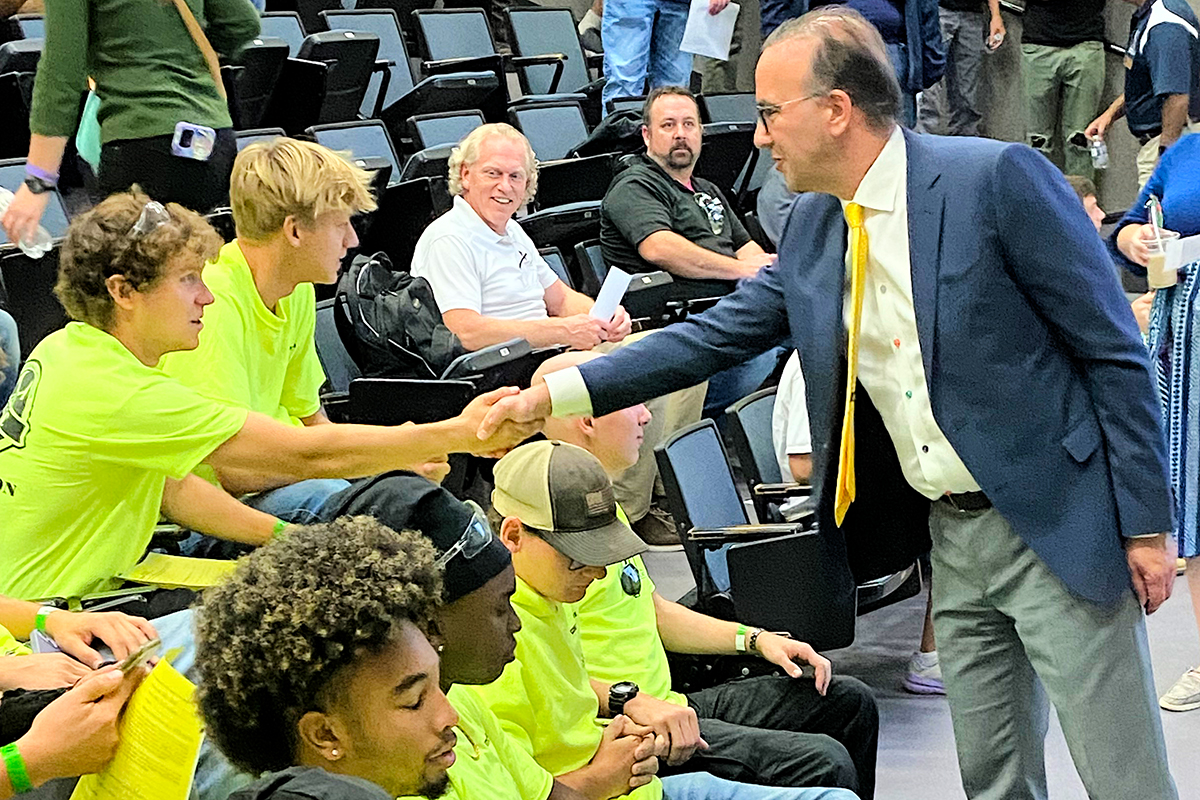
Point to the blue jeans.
(641, 40)
(11, 360)
(299, 503)
(702, 786)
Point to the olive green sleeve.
(231, 24)
(62, 70)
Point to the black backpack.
(397, 328)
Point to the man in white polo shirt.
(492, 285)
(490, 282)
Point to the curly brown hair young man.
(314, 654)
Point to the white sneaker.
(924, 674)
(1185, 694)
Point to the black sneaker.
(657, 530)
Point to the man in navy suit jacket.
(1005, 407)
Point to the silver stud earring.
(334, 752)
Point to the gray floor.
(916, 747)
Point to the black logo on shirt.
(14, 419)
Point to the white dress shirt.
(889, 350)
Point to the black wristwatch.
(619, 694)
(38, 185)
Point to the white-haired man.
(492, 285)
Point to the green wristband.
(39, 622)
(280, 527)
(739, 641)
(14, 765)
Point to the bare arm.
(198, 505)
(560, 791)
(1174, 118)
(266, 454)
(563, 301)
(669, 251)
(801, 467)
(477, 331)
(1102, 123)
(25, 212)
(318, 418)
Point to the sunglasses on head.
(475, 537)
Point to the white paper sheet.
(615, 284)
(1181, 252)
(707, 34)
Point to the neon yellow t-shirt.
(10, 645)
(489, 764)
(87, 441)
(249, 356)
(544, 699)
(620, 634)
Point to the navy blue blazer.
(1037, 374)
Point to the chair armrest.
(384, 68)
(782, 491)
(716, 537)
(595, 61)
(557, 59)
(492, 63)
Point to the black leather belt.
(968, 501)
(1146, 137)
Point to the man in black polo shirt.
(658, 216)
(1063, 52)
(1162, 80)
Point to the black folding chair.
(405, 95)
(726, 148)
(732, 107)
(28, 285)
(448, 127)
(285, 25)
(432, 162)
(259, 65)
(781, 577)
(258, 135)
(364, 139)
(564, 227)
(554, 258)
(538, 30)
(461, 38)
(350, 57)
(21, 56)
(405, 210)
(648, 299)
(553, 129)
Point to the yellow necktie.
(858, 274)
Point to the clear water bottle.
(1099, 151)
(40, 244)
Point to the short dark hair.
(272, 638)
(99, 245)
(663, 91)
(850, 56)
(1082, 186)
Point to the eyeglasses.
(767, 111)
(573, 565)
(631, 580)
(154, 215)
(715, 210)
(476, 536)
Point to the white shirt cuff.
(568, 394)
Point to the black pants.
(777, 731)
(166, 177)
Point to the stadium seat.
(553, 129)
(780, 577)
(285, 25)
(574, 180)
(258, 135)
(260, 63)
(554, 258)
(405, 95)
(363, 139)
(537, 30)
(405, 210)
(448, 127)
(30, 26)
(732, 107)
(727, 148)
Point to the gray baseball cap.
(563, 493)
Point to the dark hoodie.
(310, 783)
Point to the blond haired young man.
(292, 205)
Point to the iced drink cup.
(1158, 274)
